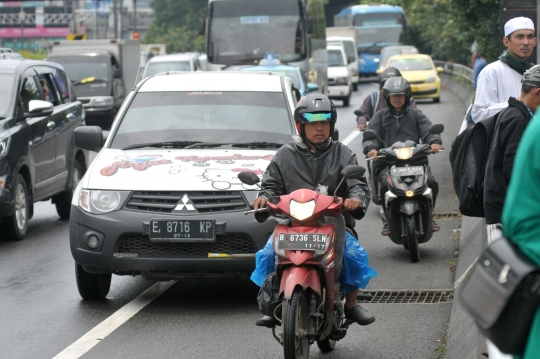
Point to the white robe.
(497, 82)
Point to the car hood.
(173, 170)
(338, 71)
(418, 75)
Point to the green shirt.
(521, 212)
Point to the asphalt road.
(42, 313)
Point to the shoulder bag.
(502, 294)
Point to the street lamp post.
(22, 18)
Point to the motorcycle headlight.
(301, 211)
(98, 201)
(404, 153)
(431, 78)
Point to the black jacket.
(294, 167)
(412, 125)
(510, 126)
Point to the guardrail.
(462, 71)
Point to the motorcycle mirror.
(353, 171)
(248, 178)
(437, 129)
(370, 135)
(359, 112)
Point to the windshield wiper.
(87, 81)
(163, 144)
(372, 45)
(257, 144)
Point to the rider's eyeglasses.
(314, 117)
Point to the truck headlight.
(4, 144)
(102, 101)
(99, 201)
(341, 80)
(431, 78)
(301, 211)
(404, 153)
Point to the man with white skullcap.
(501, 79)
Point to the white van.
(339, 75)
(188, 61)
(349, 45)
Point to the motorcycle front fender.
(303, 276)
(409, 206)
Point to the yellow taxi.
(421, 73)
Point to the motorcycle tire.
(295, 321)
(412, 239)
(326, 345)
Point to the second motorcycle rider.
(313, 160)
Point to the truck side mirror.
(117, 73)
(88, 138)
(201, 26)
(309, 25)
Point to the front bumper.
(98, 116)
(426, 90)
(339, 91)
(125, 249)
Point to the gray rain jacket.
(294, 167)
(411, 125)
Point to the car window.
(48, 89)
(411, 64)
(335, 58)
(30, 91)
(62, 83)
(205, 116)
(157, 67)
(6, 83)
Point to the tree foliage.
(175, 25)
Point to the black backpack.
(468, 157)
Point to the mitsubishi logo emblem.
(186, 203)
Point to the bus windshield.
(383, 35)
(241, 31)
(371, 19)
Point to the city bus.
(244, 32)
(377, 26)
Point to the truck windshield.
(83, 67)
(206, 117)
(241, 31)
(348, 46)
(335, 58)
(6, 80)
(157, 67)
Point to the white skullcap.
(518, 23)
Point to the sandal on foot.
(434, 226)
(386, 229)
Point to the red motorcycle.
(311, 306)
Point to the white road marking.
(351, 137)
(122, 315)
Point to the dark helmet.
(531, 77)
(386, 74)
(315, 107)
(397, 86)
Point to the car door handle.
(70, 116)
(51, 125)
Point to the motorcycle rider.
(313, 160)
(396, 123)
(375, 101)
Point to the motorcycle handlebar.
(256, 210)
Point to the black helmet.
(531, 77)
(386, 74)
(397, 86)
(315, 107)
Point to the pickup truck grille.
(232, 243)
(203, 202)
